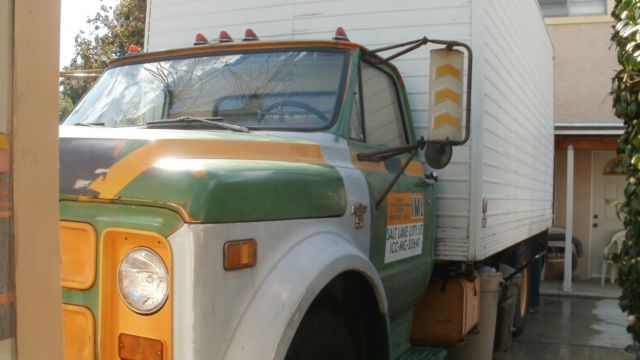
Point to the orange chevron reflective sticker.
(447, 69)
(447, 94)
(446, 119)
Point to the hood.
(207, 176)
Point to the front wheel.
(322, 335)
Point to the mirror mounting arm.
(383, 155)
(449, 45)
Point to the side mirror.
(446, 89)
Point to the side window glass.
(382, 116)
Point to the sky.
(74, 14)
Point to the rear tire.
(522, 304)
(321, 335)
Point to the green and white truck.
(276, 196)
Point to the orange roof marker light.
(250, 35)
(225, 37)
(133, 49)
(341, 35)
(200, 40)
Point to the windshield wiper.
(95, 124)
(186, 120)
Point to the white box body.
(507, 164)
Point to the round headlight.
(143, 280)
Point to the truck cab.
(245, 200)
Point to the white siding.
(512, 94)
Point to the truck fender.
(279, 304)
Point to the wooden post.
(33, 140)
(568, 233)
(7, 274)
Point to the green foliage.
(112, 31)
(65, 105)
(625, 90)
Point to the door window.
(382, 116)
(614, 166)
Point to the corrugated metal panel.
(373, 23)
(173, 24)
(517, 115)
(452, 208)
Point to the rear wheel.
(522, 306)
(321, 335)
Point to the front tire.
(321, 335)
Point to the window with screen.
(382, 115)
(553, 8)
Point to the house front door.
(607, 185)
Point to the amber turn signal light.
(240, 254)
(132, 347)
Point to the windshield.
(293, 89)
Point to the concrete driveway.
(569, 328)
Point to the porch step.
(422, 353)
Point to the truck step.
(422, 353)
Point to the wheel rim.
(524, 292)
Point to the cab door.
(402, 226)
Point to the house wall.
(584, 65)
(581, 200)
